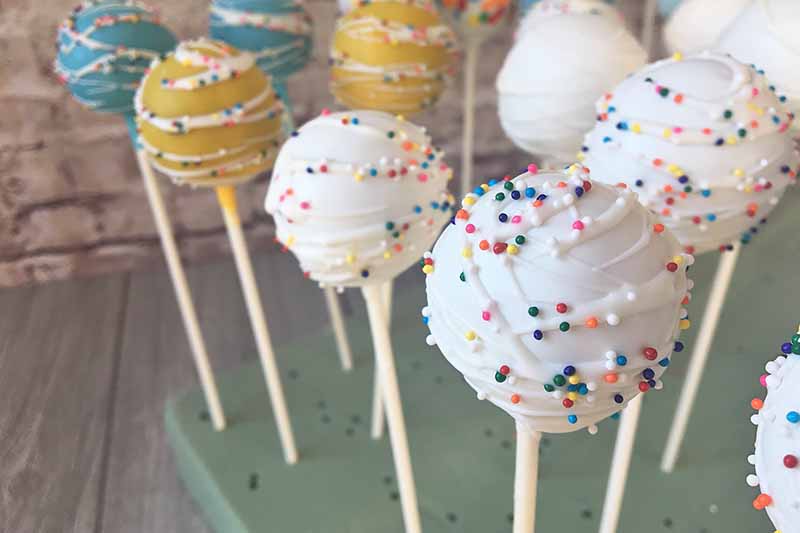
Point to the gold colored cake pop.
(208, 115)
(392, 55)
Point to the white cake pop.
(564, 59)
(696, 25)
(777, 453)
(358, 196)
(559, 300)
(765, 34)
(703, 140)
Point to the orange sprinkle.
(561, 184)
(515, 398)
(678, 98)
(537, 203)
(591, 322)
(757, 403)
(611, 377)
(658, 228)
(666, 212)
(483, 245)
(658, 162)
(462, 214)
(407, 146)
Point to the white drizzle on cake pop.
(558, 301)
(357, 196)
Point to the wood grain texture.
(143, 493)
(57, 360)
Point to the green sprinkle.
(533, 311)
(499, 197)
(564, 326)
(559, 380)
(520, 239)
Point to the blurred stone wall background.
(71, 199)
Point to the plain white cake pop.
(562, 61)
(704, 141)
(766, 35)
(777, 454)
(559, 300)
(358, 196)
(696, 25)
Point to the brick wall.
(71, 199)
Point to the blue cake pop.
(104, 49)
(278, 32)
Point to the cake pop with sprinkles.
(104, 49)
(777, 452)
(565, 56)
(358, 196)
(559, 299)
(391, 55)
(765, 34)
(277, 32)
(475, 19)
(208, 115)
(703, 140)
(682, 33)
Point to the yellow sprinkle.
(387, 254)
(636, 127)
(672, 167)
(581, 156)
(731, 140)
(748, 189)
(485, 187)
(466, 252)
(685, 324)
(512, 249)
(677, 56)
(359, 176)
(470, 336)
(572, 396)
(573, 168)
(401, 118)
(738, 172)
(667, 133)
(428, 269)
(350, 259)
(290, 241)
(468, 200)
(574, 380)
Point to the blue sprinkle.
(793, 417)
(579, 191)
(664, 362)
(365, 273)
(492, 183)
(538, 335)
(623, 126)
(786, 348)
(652, 383)
(503, 217)
(516, 195)
(373, 172)
(683, 179)
(417, 209)
(583, 389)
(706, 193)
(530, 192)
(426, 319)
(435, 205)
(542, 197)
(719, 142)
(615, 416)
(355, 121)
(572, 388)
(572, 419)
(479, 191)
(618, 398)
(639, 183)
(622, 360)
(712, 217)
(569, 370)
(424, 164)
(309, 170)
(607, 139)
(648, 373)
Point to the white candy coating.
(696, 25)
(358, 196)
(567, 54)
(702, 140)
(766, 34)
(776, 438)
(597, 253)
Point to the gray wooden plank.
(143, 493)
(57, 358)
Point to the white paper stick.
(339, 331)
(376, 430)
(526, 478)
(705, 338)
(468, 133)
(649, 26)
(620, 465)
(227, 201)
(182, 293)
(384, 356)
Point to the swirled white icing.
(559, 300)
(695, 25)
(565, 56)
(778, 445)
(766, 34)
(703, 140)
(358, 196)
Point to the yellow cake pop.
(391, 55)
(208, 115)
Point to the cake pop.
(209, 117)
(682, 33)
(475, 21)
(765, 34)
(104, 49)
(778, 441)
(278, 33)
(548, 83)
(357, 196)
(559, 300)
(391, 55)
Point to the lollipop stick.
(377, 400)
(470, 75)
(339, 331)
(620, 465)
(227, 200)
(722, 280)
(184, 297)
(394, 408)
(649, 25)
(526, 479)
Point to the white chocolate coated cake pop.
(766, 35)
(563, 60)
(359, 196)
(777, 454)
(696, 25)
(559, 300)
(704, 141)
